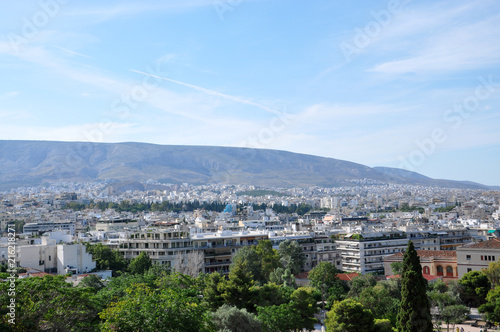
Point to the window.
(482, 257)
(469, 269)
(468, 257)
(449, 271)
(427, 270)
(50, 258)
(439, 270)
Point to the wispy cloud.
(212, 92)
(450, 47)
(72, 52)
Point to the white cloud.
(443, 42)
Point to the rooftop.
(430, 253)
(493, 243)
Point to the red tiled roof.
(430, 253)
(493, 243)
(347, 276)
(35, 274)
(430, 277)
(303, 275)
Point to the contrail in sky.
(213, 93)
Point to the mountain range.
(25, 163)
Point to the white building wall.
(74, 256)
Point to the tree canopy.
(349, 315)
(414, 312)
(292, 256)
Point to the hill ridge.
(34, 162)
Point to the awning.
(492, 231)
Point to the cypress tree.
(414, 313)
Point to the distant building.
(115, 224)
(47, 226)
(53, 258)
(477, 256)
(365, 252)
(219, 248)
(435, 263)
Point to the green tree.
(475, 287)
(250, 259)
(397, 267)
(292, 256)
(277, 318)
(213, 290)
(361, 282)
(337, 292)
(92, 282)
(229, 318)
(323, 276)
(414, 313)
(146, 309)
(106, 258)
(272, 294)
(304, 302)
(269, 258)
(380, 302)
(49, 304)
(349, 316)
(238, 290)
(492, 306)
(493, 273)
(382, 325)
(454, 314)
(281, 276)
(141, 264)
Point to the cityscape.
(250, 166)
(360, 230)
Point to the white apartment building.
(365, 252)
(73, 258)
(50, 257)
(326, 250)
(220, 247)
(47, 226)
(162, 245)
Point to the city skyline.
(413, 85)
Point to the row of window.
(483, 258)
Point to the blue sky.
(412, 84)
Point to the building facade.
(477, 256)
